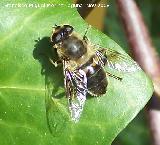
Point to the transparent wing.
(76, 91)
(117, 61)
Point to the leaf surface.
(33, 106)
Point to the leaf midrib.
(22, 88)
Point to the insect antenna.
(55, 25)
(114, 76)
(84, 36)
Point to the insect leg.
(55, 63)
(114, 76)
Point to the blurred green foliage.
(151, 10)
(137, 132)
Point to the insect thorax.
(73, 48)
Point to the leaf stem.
(145, 54)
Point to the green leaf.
(33, 106)
(136, 133)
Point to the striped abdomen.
(96, 78)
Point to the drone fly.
(83, 66)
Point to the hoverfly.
(83, 66)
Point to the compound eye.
(56, 38)
(68, 29)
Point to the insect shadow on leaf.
(83, 68)
(43, 52)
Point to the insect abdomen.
(96, 81)
(96, 78)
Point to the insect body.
(83, 67)
(96, 77)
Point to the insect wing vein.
(118, 61)
(76, 90)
